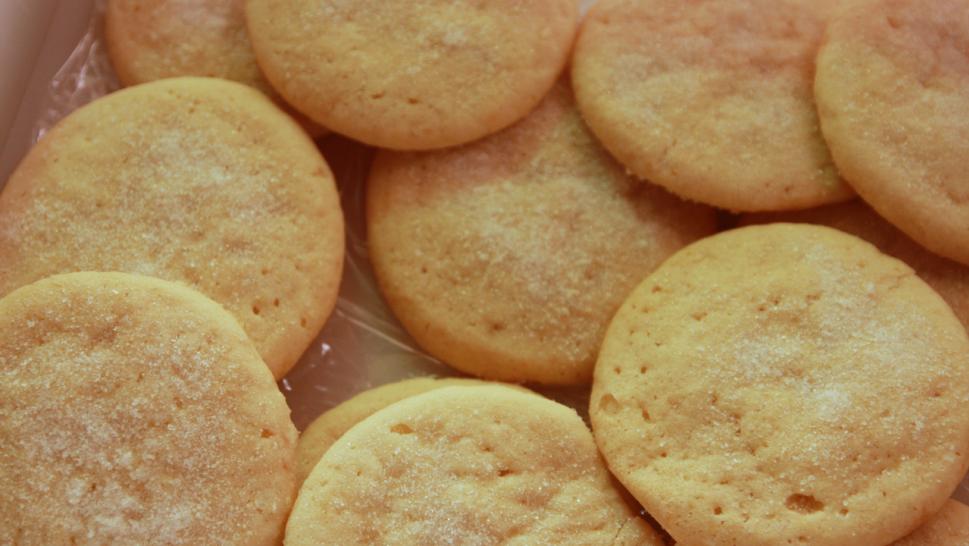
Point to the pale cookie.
(465, 466)
(893, 91)
(196, 180)
(154, 39)
(949, 528)
(413, 74)
(950, 279)
(534, 236)
(785, 384)
(136, 411)
(327, 428)
(150, 40)
(711, 99)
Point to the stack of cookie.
(542, 210)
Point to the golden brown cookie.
(196, 180)
(711, 99)
(136, 411)
(154, 39)
(785, 384)
(327, 428)
(465, 465)
(949, 528)
(892, 89)
(950, 279)
(534, 236)
(412, 74)
(149, 40)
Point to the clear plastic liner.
(362, 345)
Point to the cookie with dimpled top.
(949, 278)
(136, 411)
(196, 180)
(331, 425)
(785, 384)
(465, 465)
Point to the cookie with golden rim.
(465, 465)
(892, 89)
(535, 235)
(136, 411)
(785, 384)
(413, 74)
(711, 99)
(196, 180)
(950, 279)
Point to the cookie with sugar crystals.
(950, 279)
(331, 425)
(413, 74)
(711, 99)
(892, 89)
(196, 180)
(534, 235)
(465, 465)
(150, 40)
(785, 384)
(136, 411)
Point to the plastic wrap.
(362, 345)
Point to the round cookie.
(711, 99)
(948, 528)
(950, 279)
(196, 180)
(330, 426)
(150, 40)
(535, 234)
(465, 465)
(784, 384)
(413, 74)
(136, 411)
(892, 89)
(155, 39)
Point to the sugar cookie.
(136, 411)
(196, 180)
(950, 279)
(154, 39)
(465, 465)
(893, 90)
(949, 528)
(711, 99)
(785, 384)
(149, 40)
(413, 74)
(328, 427)
(535, 235)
